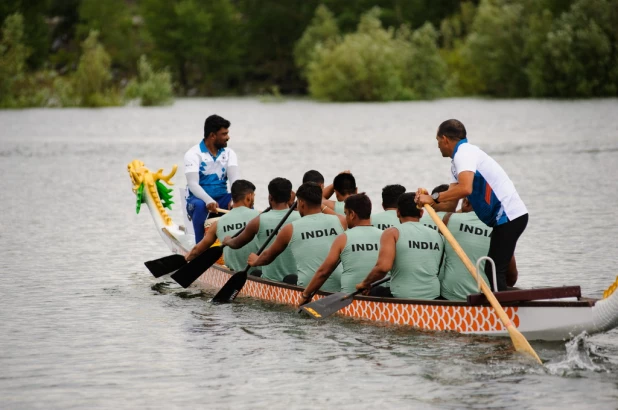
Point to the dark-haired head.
(214, 123)
(390, 195)
(407, 207)
(345, 184)
(440, 188)
(360, 204)
(313, 176)
(280, 190)
(452, 129)
(310, 193)
(240, 189)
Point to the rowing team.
(339, 246)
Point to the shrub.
(152, 88)
(365, 66)
(321, 31)
(13, 55)
(92, 80)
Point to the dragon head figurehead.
(149, 185)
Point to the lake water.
(84, 325)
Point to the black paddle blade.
(325, 307)
(188, 274)
(165, 265)
(231, 288)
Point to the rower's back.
(284, 264)
(427, 221)
(311, 240)
(359, 255)
(418, 256)
(473, 236)
(228, 225)
(385, 219)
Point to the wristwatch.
(435, 197)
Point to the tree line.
(94, 53)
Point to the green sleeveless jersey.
(310, 243)
(417, 262)
(385, 220)
(428, 222)
(284, 264)
(339, 207)
(474, 236)
(228, 225)
(359, 255)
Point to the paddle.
(328, 305)
(165, 265)
(519, 341)
(194, 269)
(235, 284)
(170, 263)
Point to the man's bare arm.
(209, 239)
(283, 239)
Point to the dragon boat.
(557, 313)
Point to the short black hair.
(390, 195)
(280, 189)
(313, 176)
(345, 184)
(240, 189)
(359, 203)
(407, 206)
(440, 188)
(214, 123)
(311, 193)
(452, 129)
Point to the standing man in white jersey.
(491, 193)
(208, 166)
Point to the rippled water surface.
(84, 325)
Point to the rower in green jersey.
(441, 208)
(474, 237)
(357, 249)
(343, 186)
(412, 253)
(260, 228)
(309, 238)
(243, 195)
(388, 218)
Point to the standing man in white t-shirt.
(208, 166)
(489, 190)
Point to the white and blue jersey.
(212, 169)
(494, 197)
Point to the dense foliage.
(334, 49)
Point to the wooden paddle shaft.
(519, 341)
(222, 211)
(464, 258)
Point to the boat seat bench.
(525, 295)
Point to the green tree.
(35, 28)
(323, 30)
(579, 55)
(151, 87)
(197, 39)
(13, 55)
(365, 66)
(496, 48)
(424, 72)
(121, 37)
(93, 75)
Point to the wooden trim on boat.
(525, 295)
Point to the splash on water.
(579, 358)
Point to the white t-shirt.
(212, 170)
(494, 197)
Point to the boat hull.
(536, 320)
